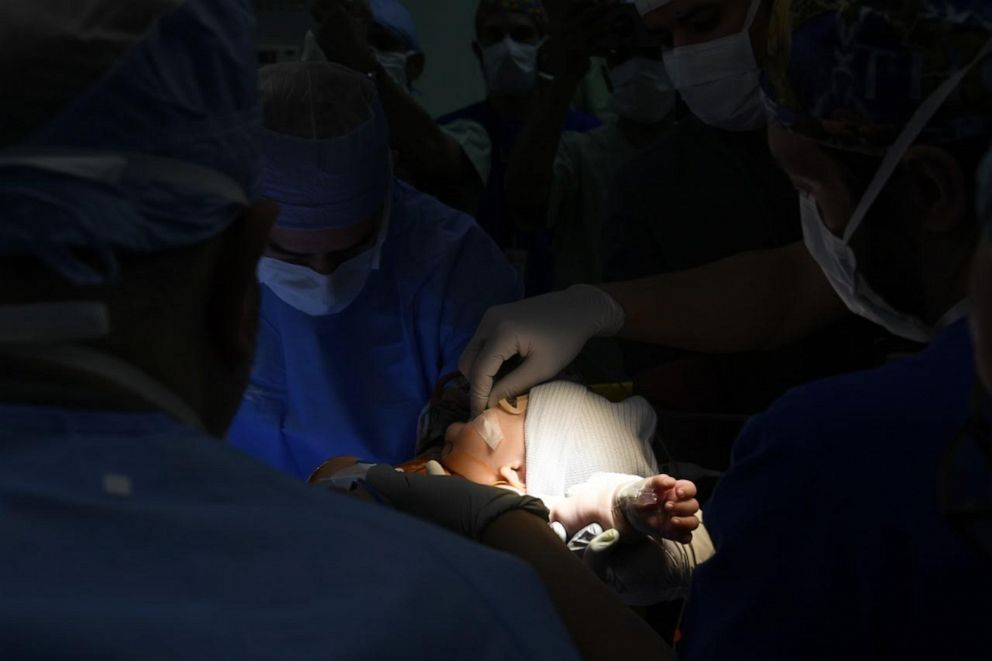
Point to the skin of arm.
(600, 625)
(424, 147)
(752, 301)
(579, 511)
(530, 172)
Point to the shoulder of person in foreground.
(827, 523)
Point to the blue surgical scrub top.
(129, 536)
(353, 383)
(829, 540)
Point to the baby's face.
(488, 449)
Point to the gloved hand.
(641, 573)
(459, 505)
(546, 331)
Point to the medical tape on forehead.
(489, 430)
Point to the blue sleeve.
(761, 596)
(480, 278)
(257, 428)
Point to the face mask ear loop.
(909, 134)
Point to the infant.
(591, 462)
(588, 459)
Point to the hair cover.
(532, 8)
(153, 150)
(325, 146)
(392, 15)
(850, 73)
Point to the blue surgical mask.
(319, 294)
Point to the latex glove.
(641, 573)
(459, 505)
(546, 331)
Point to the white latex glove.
(546, 331)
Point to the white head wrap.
(571, 433)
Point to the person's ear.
(415, 67)
(939, 189)
(233, 306)
(512, 477)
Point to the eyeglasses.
(964, 479)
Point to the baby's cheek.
(453, 431)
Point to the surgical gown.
(354, 383)
(829, 540)
(129, 536)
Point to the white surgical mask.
(719, 79)
(394, 64)
(837, 260)
(510, 67)
(319, 294)
(642, 91)
(834, 254)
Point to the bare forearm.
(601, 626)
(530, 172)
(423, 146)
(752, 301)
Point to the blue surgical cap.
(325, 145)
(157, 154)
(392, 15)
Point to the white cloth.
(571, 434)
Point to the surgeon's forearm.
(749, 302)
(530, 172)
(601, 626)
(423, 146)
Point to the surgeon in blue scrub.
(128, 530)
(370, 288)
